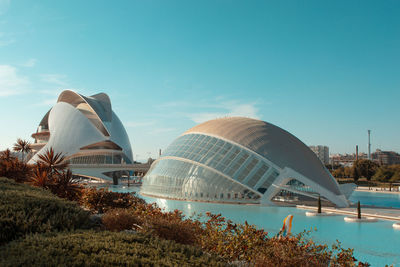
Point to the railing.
(101, 165)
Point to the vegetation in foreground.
(25, 209)
(40, 229)
(28, 215)
(102, 248)
(217, 236)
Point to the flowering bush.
(170, 225)
(149, 218)
(120, 219)
(11, 167)
(103, 200)
(230, 241)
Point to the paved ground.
(379, 213)
(395, 190)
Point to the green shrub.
(25, 209)
(90, 248)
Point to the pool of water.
(378, 243)
(377, 199)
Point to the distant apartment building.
(322, 153)
(386, 157)
(346, 160)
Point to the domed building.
(241, 160)
(87, 131)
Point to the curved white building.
(88, 132)
(240, 160)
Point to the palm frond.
(65, 187)
(40, 178)
(22, 146)
(55, 162)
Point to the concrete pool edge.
(379, 190)
(345, 211)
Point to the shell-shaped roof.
(78, 121)
(100, 103)
(273, 143)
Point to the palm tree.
(65, 187)
(22, 146)
(6, 155)
(12, 167)
(53, 162)
(40, 178)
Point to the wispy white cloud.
(46, 102)
(58, 79)
(11, 83)
(56, 91)
(227, 109)
(173, 104)
(199, 103)
(136, 124)
(29, 63)
(205, 116)
(51, 96)
(162, 130)
(237, 108)
(203, 110)
(150, 126)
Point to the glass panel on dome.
(228, 158)
(256, 177)
(237, 163)
(271, 178)
(183, 180)
(247, 169)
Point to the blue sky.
(326, 71)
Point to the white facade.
(87, 132)
(239, 160)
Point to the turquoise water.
(378, 243)
(376, 199)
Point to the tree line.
(369, 170)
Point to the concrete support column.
(115, 178)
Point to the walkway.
(379, 213)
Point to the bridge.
(110, 171)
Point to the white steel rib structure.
(88, 132)
(240, 160)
